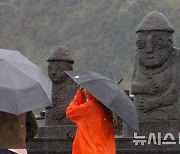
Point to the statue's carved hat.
(60, 54)
(154, 21)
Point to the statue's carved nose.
(149, 46)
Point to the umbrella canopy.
(23, 85)
(108, 93)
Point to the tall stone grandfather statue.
(63, 89)
(156, 77)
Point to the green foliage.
(98, 33)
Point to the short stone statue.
(63, 89)
(156, 77)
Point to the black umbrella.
(108, 93)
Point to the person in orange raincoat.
(95, 131)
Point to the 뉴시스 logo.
(157, 139)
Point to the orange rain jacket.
(95, 132)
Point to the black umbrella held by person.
(109, 94)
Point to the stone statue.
(156, 76)
(63, 89)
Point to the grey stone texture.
(154, 21)
(156, 76)
(63, 89)
(123, 146)
(63, 131)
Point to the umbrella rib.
(97, 79)
(9, 54)
(14, 85)
(12, 52)
(127, 114)
(26, 75)
(45, 96)
(108, 80)
(27, 60)
(12, 82)
(100, 79)
(21, 71)
(122, 98)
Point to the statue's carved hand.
(58, 113)
(145, 104)
(151, 87)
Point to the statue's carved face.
(153, 47)
(56, 70)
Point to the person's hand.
(84, 90)
(81, 88)
(85, 94)
(146, 104)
